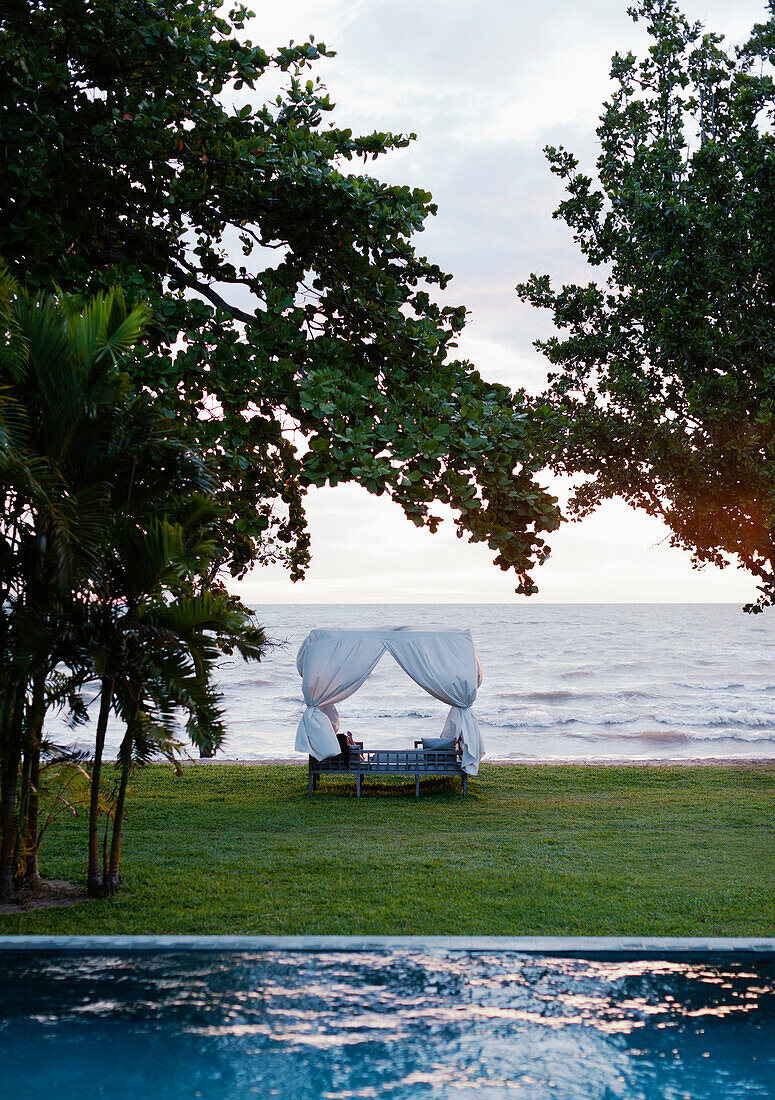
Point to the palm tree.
(162, 477)
(166, 642)
(108, 554)
(60, 394)
(72, 439)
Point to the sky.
(485, 85)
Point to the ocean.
(600, 682)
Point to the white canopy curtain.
(333, 664)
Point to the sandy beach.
(672, 762)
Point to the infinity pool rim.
(597, 947)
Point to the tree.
(322, 354)
(157, 655)
(106, 543)
(58, 391)
(662, 384)
(61, 411)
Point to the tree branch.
(206, 291)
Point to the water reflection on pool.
(396, 1024)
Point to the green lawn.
(533, 850)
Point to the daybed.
(360, 762)
(333, 664)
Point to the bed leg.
(358, 785)
(309, 781)
(465, 784)
(417, 786)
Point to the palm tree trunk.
(31, 775)
(112, 878)
(10, 771)
(8, 780)
(94, 882)
(31, 870)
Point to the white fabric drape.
(333, 664)
(447, 666)
(331, 668)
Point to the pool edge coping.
(582, 946)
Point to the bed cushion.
(438, 744)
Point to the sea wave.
(695, 722)
(657, 737)
(735, 719)
(244, 682)
(662, 736)
(718, 687)
(548, 721)
(406, 714)
(562, 696)
(761, 737)
(547, 696)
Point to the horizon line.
(499, 603)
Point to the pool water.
(397, 1024)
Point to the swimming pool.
(400, 1023)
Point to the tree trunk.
(94, 883)
(112, 878)
(24, 804)
(10, 774)
(32, 774)
(31, 871)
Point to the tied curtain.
(331, 669)
(449, 669)
(334, 664)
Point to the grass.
(559, 850)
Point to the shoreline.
(665, 762)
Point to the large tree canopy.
(133, 150)
(662, 387)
